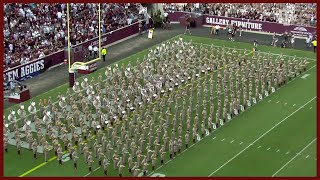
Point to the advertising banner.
(34, 68)
(262, 26)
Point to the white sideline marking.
(240, 143)
(213, 137)
(278, 150)
(171, 159)
(294, 157)
(269, 100)
(278, 102)
(285, 103)
(268, 148)
(223, 139)
(310, 108)
(232, 141)
(307, 157)
(259, 147)
(305, 76)
(294, 105)
(92, 171)
(288, 152)
(261, 136)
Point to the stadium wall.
(249, 25)
(38, 66)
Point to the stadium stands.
(33, 31)
(288, 13)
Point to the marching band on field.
(138, 116)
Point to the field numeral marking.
(305, 76)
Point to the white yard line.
(261, 136)
(172, 159)
(294, 157)
(91, 172)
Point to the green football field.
(275, 137)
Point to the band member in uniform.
(75, 159)
(105, 165)
(35, 148)
(18, 144)
(59, 151)
(45, 152)
(154, 161)
(5, 142)
(90, 161)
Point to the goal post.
(76, 64)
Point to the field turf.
(275, 137)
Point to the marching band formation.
(136, 117)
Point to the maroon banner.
(175, 16)
(262, 26)
(247, 24)
(35, 67)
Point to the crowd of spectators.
(288, 13)
(34, 30)
(84, 19)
